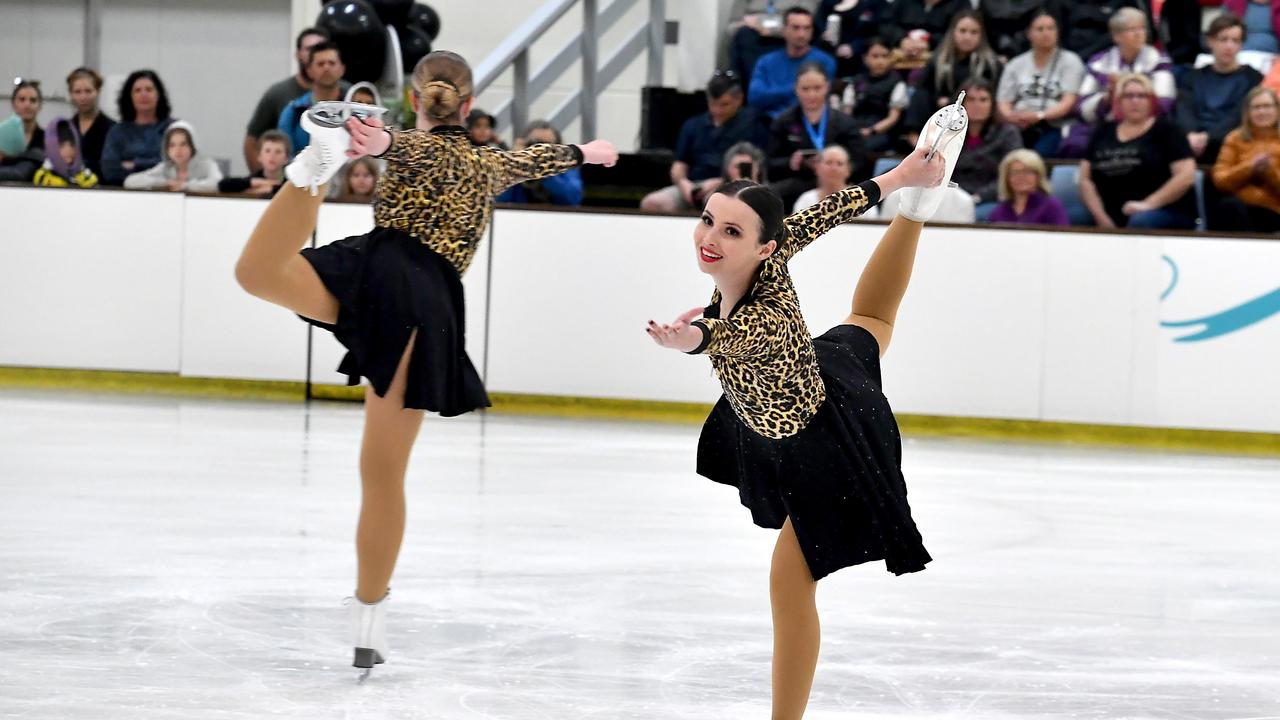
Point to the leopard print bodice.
(439, 188)
(762, 352)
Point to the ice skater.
(393, 297)
(803, 429)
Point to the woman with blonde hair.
(1025, 194)
(965, 55)
(1247, 171)
(1138, 170)
(393, 296)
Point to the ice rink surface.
(165, 558)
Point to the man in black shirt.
(1210, 97)
(704, 139)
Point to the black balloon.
(426, 19)
(414, 44)
(392, 12)
(360, 35)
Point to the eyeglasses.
(25, 81)
(1135, 96)
(731, 75)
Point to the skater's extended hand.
(599, 152)
(919, 172)
(368, 137)
(679, 335)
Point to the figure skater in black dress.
(803, 429)
(393, 297)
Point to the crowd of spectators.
(1144, 101)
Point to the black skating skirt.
(840, 479)
(389, 284)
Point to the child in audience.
(183, 168)
(273, 154)
(879, 97)
(64, 164)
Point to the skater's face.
(876, 58)
(967, 35)
(812, 89)
(84, 95)
(26, 103)
(361, 180)
(727, 239)
(272, 156)
(179, 149)
(1263, 111)
(145, 96)
(1043, 33)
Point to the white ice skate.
(369, 634)
(317, 163)
(944, 133)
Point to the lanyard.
(819, 137)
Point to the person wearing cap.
(703, 141)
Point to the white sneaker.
(318, 162)
(369, 633)
(944, 133)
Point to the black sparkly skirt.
(839, 480)
(389, 284)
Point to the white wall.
(1000, 323)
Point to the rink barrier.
(609, 409)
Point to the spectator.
(915, 25)
(703, 140)
(1138, 171)
(359, 180)
(833, 168)
(483, 128)
(758, 30)
(745, 161)
(989, 140)
(1262, 19)
(1008, 22)
(92, 125)
(963, 56)
(1130, 54)
(1025, 195)
(799, 134)
(363, 92)
(1039, 88)
(880, 97)
(266, 116)
(325, 68)
(562, 189)
(773, 79)
(1210, 98)
(859, 23)
(1087, 25)
(183, 168)
(27, 101)
(64, 166)
(1177, 27)
(273, 155)
(134, 144)
(1248, 169)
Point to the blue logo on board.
(1227, 321)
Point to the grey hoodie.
(202, 172)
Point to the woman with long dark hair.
(136, 143)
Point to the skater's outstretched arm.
(838, 208)
(545, 160)
(753, 330)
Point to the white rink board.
(997, 323)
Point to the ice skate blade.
(336, 113)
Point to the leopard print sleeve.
(838, 208)
(534, 163)
(408, 146)
(750, 332)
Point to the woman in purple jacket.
(1024, 192)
